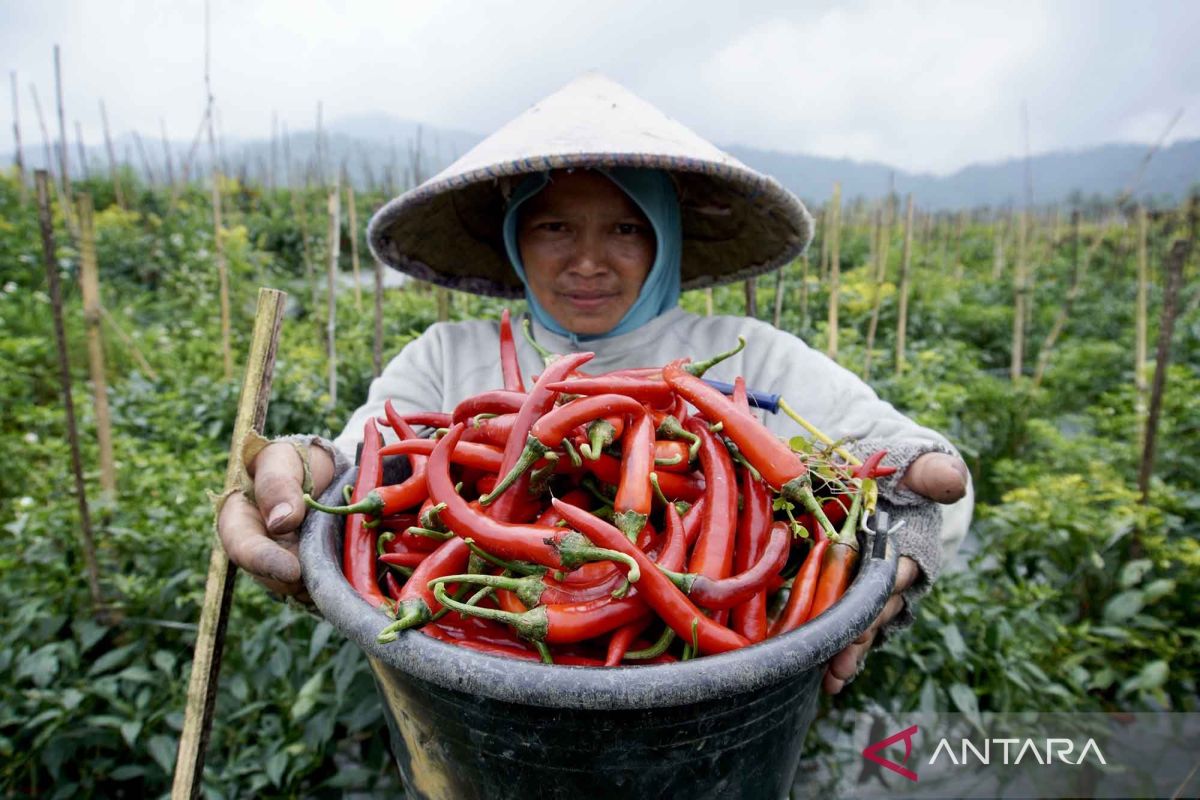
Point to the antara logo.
(871, 752)
(969, 752)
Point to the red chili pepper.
(656, 588)
(509, 366)
(426, 419)
(712, 555)
(576, 497)
(536, 404)
(491, 430)
(675, 486)
(392, 583)
(622, 638)
(691, 522)
(497, 401)
(737, 589)
(469, 454)
(405, 432)
(804, 585)
(402, 542)
(416, 602)
(358, 551)
(557, 424)
(552, 547)
(405, 559)
(754, 528)
(773, 459)
(871, 469)
(514, 652)
(634, 494)
(399, 522)
(671, 456)
(651, 391)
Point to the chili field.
(1076, 590)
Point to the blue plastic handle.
(768, 402)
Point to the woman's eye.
(553, 227)
(628, 228)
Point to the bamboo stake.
(218, 590)
(708, 302)
(47, 156)
(151, 179)
(42, 182)
(89, 279)
(1064, 312)
(883, 229)
(65, 174)
(18, 155)
(1019, 298)
(377, 349)
(823, 223)
(190, 158)
(780, 285)
(959, 230)
(1176, 259)
(112, 159)
(353, 222)
(442, 294)
(751, 289)
(334, 245)
(166, 144)
(142, 363)
(999, 232)
(218, 241)
(804, 292)
(1140, 386)
(835, 272)
(902, 311)
(83, 162)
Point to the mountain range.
(382, 150)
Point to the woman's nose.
(589, 256)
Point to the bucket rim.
(748, 669)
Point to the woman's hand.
(942, 478)
(260, 537)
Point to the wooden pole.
(780, 286)
(804, 292)
(377, 349)
(113, 173)
(823, 222)
(166, 145)
(999, 232)
(47, 156)
(218, 590)
(84, 171)
(751, 289)
(218, 240)
(835, 271)
(1176, 259)
(89, 279)
(708, 302)
(902, 311)
(18, 155)
(42, 182)
(883, 231)
(1064, 312)
(1019, 297)
(1140, 386)
(352, 221)
(193, 149)
(65, 173)
(147, 169)
(142, 363)
(334, 245)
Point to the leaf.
(165, 661)
(1156, 590)
(954, 642)
(319, 639)
(112, 659)
(307, 698)
(275, 766)
(1133, 572)
(162, 750)
(929, 695)
(964, 700)
(41, 665)
(127, 772)
(1122, 606)
(130, 731)
(1152, 676)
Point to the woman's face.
(587, 249)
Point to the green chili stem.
(655, 650)
(516, 566)
(700, 367)
(544, 652)
(572, 453)
(533, 451)
(527, 331)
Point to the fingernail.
(278, 516)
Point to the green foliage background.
(1054, 607)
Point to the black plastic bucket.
(469, 725)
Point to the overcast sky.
(926, 86)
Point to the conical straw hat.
(737, 223)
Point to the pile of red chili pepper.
(639, 516)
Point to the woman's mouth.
(588, 301)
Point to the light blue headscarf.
(654, 194)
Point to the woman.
(600, 210)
